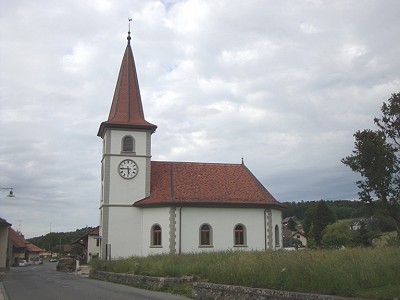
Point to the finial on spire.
(242, 160)
(129, 30)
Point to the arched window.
(205, 235)
(128, 144)
(240, 235)
(156, 235)
(277, 244)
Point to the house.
(157, 207)
(359, 224)
(19, 248)
(4, 225)
(299, 235)
(292, 238)
(66, 250)
(356, 225)
(91, 243)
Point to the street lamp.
(10, 194)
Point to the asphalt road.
(43, 282)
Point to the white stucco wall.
(139, 136)
(127, 191)
(3, 247)
(153, 216)
(277, 221)
(125, 231)
(223, 221)
(130, 229)
(93, 249)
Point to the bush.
(66, 265)
(347, 272)
(337, 235)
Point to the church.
(161, 207)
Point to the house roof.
(205, 184)
(3, 222)
(126, 108)
(94, 231)
(288, 233)
(17, 240)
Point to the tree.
(308, 219)
(365, 235)
(376, 158)
(323, 217)
(337, 235)
(292, 224)
(315, 220)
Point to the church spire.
(129, 31)
(126, 108)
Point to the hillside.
(53, 240)
(343, 209)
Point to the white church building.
(161, 207)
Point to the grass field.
(365, 272)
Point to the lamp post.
(10, 194)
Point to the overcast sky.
(283, 84)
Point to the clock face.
(127, 169)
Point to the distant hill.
(52, 241)
(343, 209)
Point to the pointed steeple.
(126, 108)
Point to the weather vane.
(129, 26)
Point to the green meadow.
(363, 272)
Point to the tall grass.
(342, 272)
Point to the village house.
(294, 239)
(4, 225)
(153, 207)
(21, 249)
(91, 244)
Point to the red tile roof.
(17, 240)
(94, 231)
(126, 108)
(3, 222)
(205, 184)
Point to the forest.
(52, 241)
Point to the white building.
(152, 207)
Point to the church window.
(240, 235)
(128, 144)
(156, 235)
(205, 235)
(276, 236)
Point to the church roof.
(126, 108)
(205, 184)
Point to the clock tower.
(125, 164)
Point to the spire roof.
(126, 108)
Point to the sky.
(283, 84)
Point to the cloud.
(282, 84)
